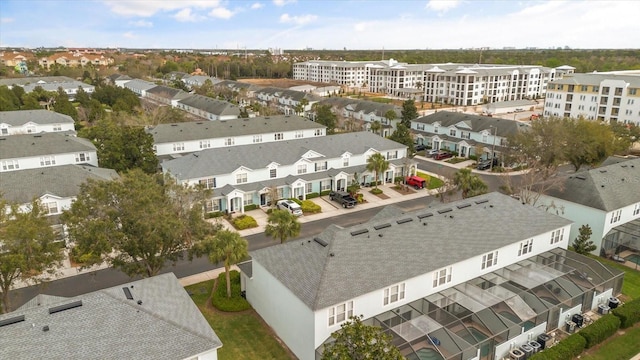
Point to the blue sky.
(320, 24)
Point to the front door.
(263, 199)
(341, 184)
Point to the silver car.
(289, 205)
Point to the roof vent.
(127, 293)
(12, 320)
(444, 211)
(359, 232)
(380, 235)
(402, 221)
(45, 328)
(581, 177)
(482, 201)
(603, 171)
(320, 241)
(463, 206)
(139, 302)
(174, 124)
(624, 166)
(332, 254)
(382, 226)
(423, 216)
(64, 307)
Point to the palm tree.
(282, 225)
(378, 164)
(375, 127)
(390, 115)
(470, 185)
(226, 246)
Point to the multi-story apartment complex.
(610, 96)
(457, 84)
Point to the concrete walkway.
(469, 163)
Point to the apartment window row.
(345, 161)
(616, 216)
(489, 260)
(557, 236)
(299, 134)
(340, 313)
(318, 132)
(393, 294)
(278, 136)
(10, 165)
(178, 147)
(205, 144)
(209, 183)
(47, 160)
(525, 247)
(442, 276)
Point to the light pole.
(493, 148)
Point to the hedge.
(310, 207)
(312, 195)
(600, 330)
(376, 191)
(296, 200)
(235, 302)
(568, 348)
(629, 313)
(244, 222)
(250, 207)
(325, 192)
(214, 214)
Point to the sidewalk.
(468, 163)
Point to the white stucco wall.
(33, 162)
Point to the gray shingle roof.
(165, 325)
(504, 127)
(22, 186)
(32, 80)
(379, 258)
(188, 131)
(210, 105)
(225, 160)
(18, 146)
(367, 107)
(167, 92)
(605, 188)
(21, 117)
(288, 94)
(140, 85)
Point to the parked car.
(618, 258)
(432, 152)
(419, 147)
(416, 181)
(343, 198)
(442, 155)
(486, 164)
(289, 205)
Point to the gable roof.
(167, 92)
(188, 131)
(18, 146)
(33, 80)
(364, 106)
(138, 84)
(21, 117)
(383, 252)
(64, 181)
(504, 127)
(605, 188)
(161, 322)
(226, 160)
(211, 105)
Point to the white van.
(291, 206)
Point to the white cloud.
(150, 7)
(298, 20)
(256, 6)
(221, 13)
(283, 2)
(129, 35)
(185, 15)
(442, 5)
(141, 23)
(6, 20)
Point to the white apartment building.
(34, 121)
(611, 96)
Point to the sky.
(320, 24)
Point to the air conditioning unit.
(535, 346)
(527, 350)
(578, 319)
(613, 302)
(544, 340)
(570, 326)
(603, 309)
(516, 354)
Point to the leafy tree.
(82, 97)
(403, 136)
(122, 147)
(378, 164)
(28, 247)
(179, 84)
(326, 117)
(120, 99)
(409, 112)
(583, 244)
(8, 99)
(30, 102)
(357, 341)
(62, 105)
(282, 225)
(471, 185)
(136, 224)
(375, 127)
(588, 142)
(226, 246)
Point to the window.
(616, 216)
(50, 207)
(308, 188)
(299, 134)
(82, 157)
(596, 88)
(257, 139)
(205, 144)
(525, 247)
(10, 165)
(241, 178)
(557, 236)
(4, 131)
(178, 147)
(208, 183)
(57, 127)
(248, 199)
(452, 132)
(636, 210)
(229, 142)
(633, 91)
(302, 169)
(442, 276)
(435, 129)
(31, 129)
(339, 314)
(318, 132)
(345, 161)
(489, 260)
(321, 165)
(47, 160)
(273, 173)
(278, 136)
(392, 155)
(212, 205)
(393, 294)
(420, 126)
(325, 185)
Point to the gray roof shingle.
(376, 259)
(211, 105)
(21, 117)
(18, 146)
(504, 127)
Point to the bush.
(600, 330)
(309, 207)
(214, 214)
(250, 207)
(325, 192)
(376, 191)
(628, 313)
(312, 195)
(398, 180)
(297, 201)
(568, 348)
(244, 222)
(473, 157)
(236, 302)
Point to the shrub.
(250, 207)
(473, 157)
(325, 192)
(214, 214)
(376, 191)
(568, 348)
(600, 330)
(236, 302)
(398, 179)
(628, 313)
(312, 195)
(244, 222)
(310, 207)
(296, 200)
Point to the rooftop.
(27, 145)
(21, 117)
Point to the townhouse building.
(605, 198)
(365, 112)
(465, 134)
(610, 96)
(187, 137)
(250, 174)
(166, 95)
(35, 151)
(34, 121)
(139, 87)
(446, 282)
(286, 100)
(75, 59)
(209, 108)
(49, 83)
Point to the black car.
(486, 164)
(419, 147)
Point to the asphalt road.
(101, 279)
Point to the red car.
(442, 155)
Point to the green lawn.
(618, 348)
(434, 182)
(631, 284)
(243, 334)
